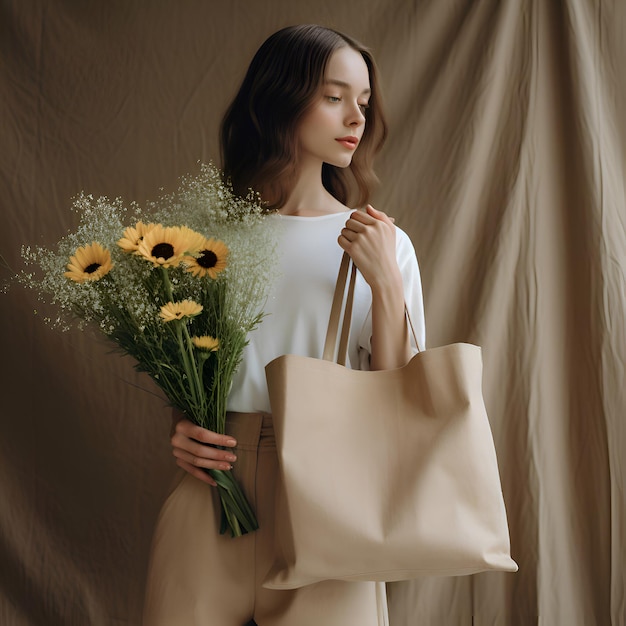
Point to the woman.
(308, 112)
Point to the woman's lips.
(349, 142)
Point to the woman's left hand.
(369, 237)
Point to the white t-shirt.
(299, 302)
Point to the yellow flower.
(133, 236)
(166, 246)
(90, 262)
(177, 310)
(212, 258)
(195, 240)
(206, 342)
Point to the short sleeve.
(412, 283)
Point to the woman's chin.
(340, 162)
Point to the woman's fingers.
(379, 215)
(372, 227)
(193, 431)
(361, 221)
(216, 460)
(194, 449)
(370, 215)
(369, 237)
(357, 224)
(196, 472)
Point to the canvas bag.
(386, 475)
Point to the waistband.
(251, 430)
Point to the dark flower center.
(90, 269)
(207, 259)
(163, 251)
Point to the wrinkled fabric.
(505, 165)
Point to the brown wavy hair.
(258, 135)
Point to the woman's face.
(331, 131)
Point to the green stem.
(187, 352)
(197, 377)
(238, 516)
(196, 391)
(166, 283)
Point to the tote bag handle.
(330, 345)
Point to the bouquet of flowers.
(178, 286)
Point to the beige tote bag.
(386, 475)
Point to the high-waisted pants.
(198, 577)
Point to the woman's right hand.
(188, 446)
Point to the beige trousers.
(198, 577)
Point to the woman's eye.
(364, 107)
(333, 98)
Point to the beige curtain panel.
(505, 164)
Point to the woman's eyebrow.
(341, 83)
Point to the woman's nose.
(355, 116)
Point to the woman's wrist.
(388, 287)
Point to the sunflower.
(206, 342)
(90, 262)
(211, 259)
(133, 236)
(166, 246)
(195, 240)
(178, 310)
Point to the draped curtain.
(505, 164)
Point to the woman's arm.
(369, 237)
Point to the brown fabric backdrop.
(505, 165)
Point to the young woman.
(307, 115)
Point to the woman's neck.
(308, 197)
